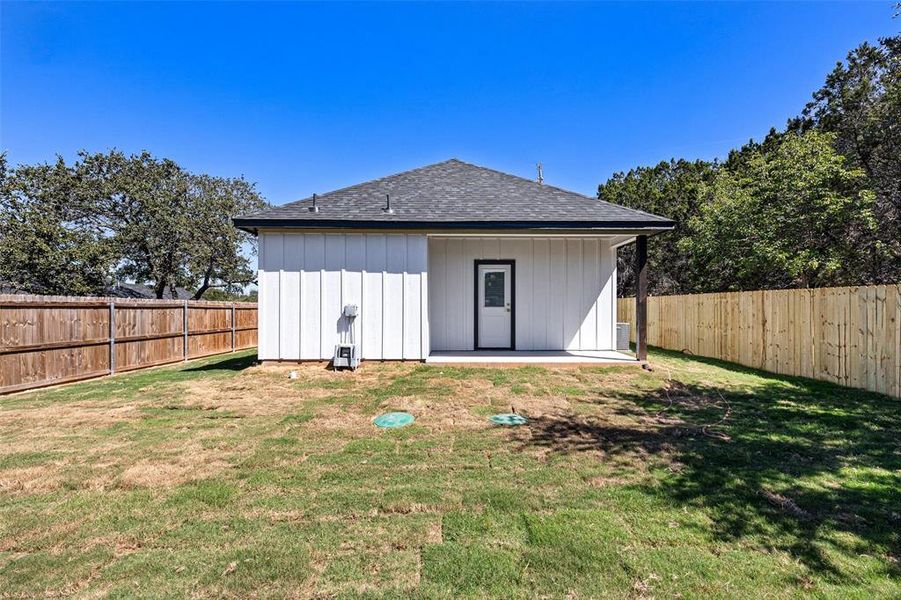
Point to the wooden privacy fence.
(850, 336)
(46, 340)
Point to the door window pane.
(494, 289)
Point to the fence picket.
(45, 340)
(850, 336)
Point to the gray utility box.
(345, 356)
(622, 336)
(346, 351)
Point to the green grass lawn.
(222, 478)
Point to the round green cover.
(508, 419)
(393, 419)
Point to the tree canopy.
(861, 104)
(49, 241)
(676, 189)
(818, 203)
(791, 217)
(71, 229)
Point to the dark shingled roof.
(139, 290)
(455, 195)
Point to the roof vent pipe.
(387, 209)
(314, 208)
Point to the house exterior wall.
(565, 291)
(305, 279)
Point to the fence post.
(233, 326)
(185, 329)
(112, 337)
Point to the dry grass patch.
(30, 480)
(191, 463)
(257, 392)
(58, 421)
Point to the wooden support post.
(185, 329)
(233, 327)
(112, 337)
(641, 297)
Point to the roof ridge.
(553, 187)
(511, 175)
(371, 181)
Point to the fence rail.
(45, 340)
(850, 336)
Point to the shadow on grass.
(234, 363)
(788, 463)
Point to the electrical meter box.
(346, 351)
(346, 356)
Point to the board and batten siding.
(305, 279)
(565, 291)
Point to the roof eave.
(649, 227)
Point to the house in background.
(449, 262)
(117, 290)
(139, 290)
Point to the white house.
(443, 261)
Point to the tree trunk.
(206, 282)
(160, 288)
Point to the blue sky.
(304, 98)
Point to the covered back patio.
(528, 298)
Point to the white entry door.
(495, 306)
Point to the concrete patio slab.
(534, 357)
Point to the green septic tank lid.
(393, 419)
(508, 419)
